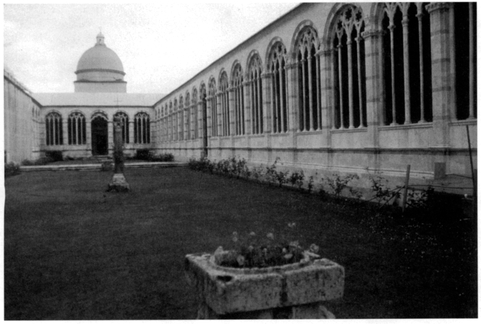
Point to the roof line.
(235, 48)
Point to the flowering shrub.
(254, 251)
(11, 169)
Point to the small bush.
(339, 183)
(297, 179)
(54, 155)
(257, 173)
(142, 154)
(11, 169)
(40, 161)
(106, 166)
(164, 157)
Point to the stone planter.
(283, 292)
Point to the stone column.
(327, 101)
(65, 131)
(209, 116)
(232, 111)
(374, 91)
(131, 131)
(88, 130)
(292, 97)
(442, 93)
(110, 140)
(266, 95)
(246, 108)
(219, 114)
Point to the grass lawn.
(74, 252)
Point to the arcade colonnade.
(340, 87)
(86, 131)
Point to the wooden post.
(406, 184)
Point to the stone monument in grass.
(118, 183)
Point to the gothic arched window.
(142, 128)
(213, 107)
(349, 70)
(277, 70)
(195, 115)
(187, 113)
(125, 125)
(76, 129)
(224, 104)
(308, 80)
(238, 93)
(53, 125)
(255, 79)
(181, 119)
(407, 63)
(203, 103)
(175, 115)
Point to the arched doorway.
(100, 137)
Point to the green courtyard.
(75, 252)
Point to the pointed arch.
(224, 103)
(305, 54)
(349, 70)
(254, 76)
(76, 128)
(53, 128)
(276, 66)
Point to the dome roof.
(100, 57)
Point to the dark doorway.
(100, 136)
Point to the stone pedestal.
(118, 183)
(294, 291)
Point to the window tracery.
(407, 64)
(277, 69)
(224, 103)
(76, 129)
(213, 107)
(142, 128)
(349, 70)
(308, 81)
(53, 125)
(238, 97)
(255, 83)
(195, 115)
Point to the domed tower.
(100, 70)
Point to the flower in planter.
(255, 251)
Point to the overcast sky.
(161, 45)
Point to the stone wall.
(21, 122)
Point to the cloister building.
(328, 87)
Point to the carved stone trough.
(294, 291)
